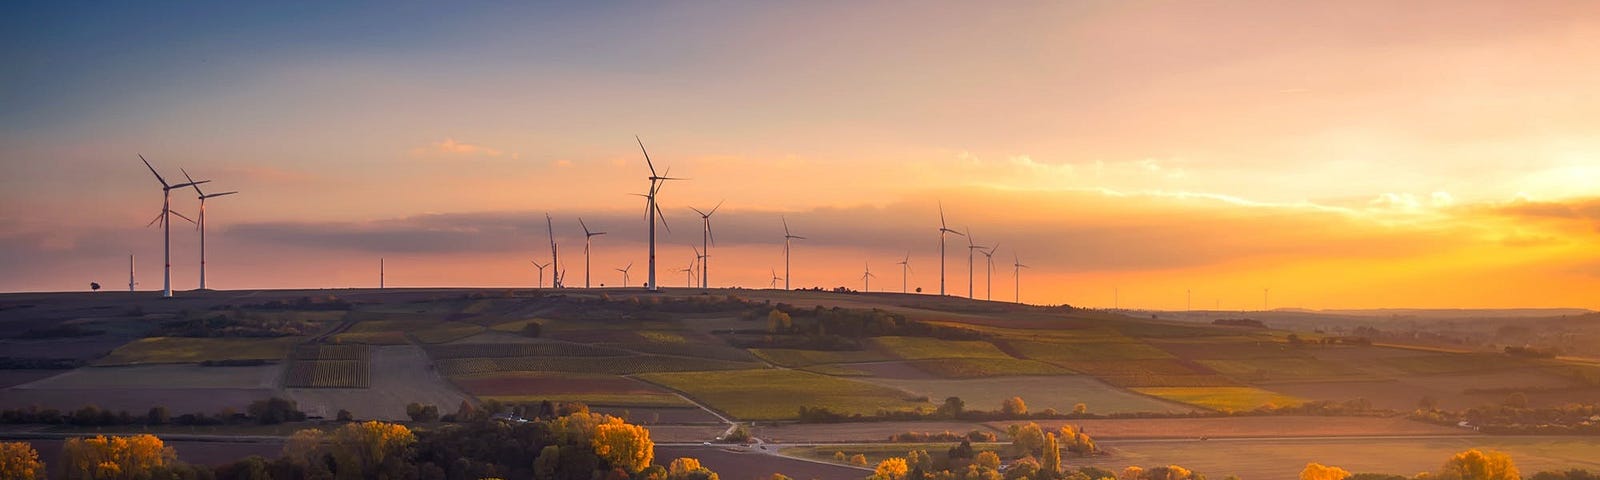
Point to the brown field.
(1276, 459)
(1226, 427)
(901, 370)
(82, 348)
(666, 417)
(330, 366)
(164, 377)
(195, 350)
(1039, 393)
(137, 400)
(10, 378)
(534, 383)
(859, 432)
(400, 375)
(737, 463)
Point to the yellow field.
(195, 350)
(920, 348)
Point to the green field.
(986, 367)
(1039, 393)
(1088, 351)
(921, 348)
(1222, 399)
(597, 399)
(773, 394)
(1447, 363)
(195, 350)
(1282, 369)
(801, 358)
(608, 365)
(446, 332)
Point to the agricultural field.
(1149, 373)
(985, 367)
(399, 375)
(803, 358)
(330, 366)
(1244, 427)
(595, 390)
(1039, 393)
(1279, 458)
(919, 348)
(446, 332)
(535, 348)
(163, 376)
(860, 432)
(626, 365)
(1127, 349)
(1221, 399)
(781, 393)
(195, 350)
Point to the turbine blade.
(191, 183)
(647, 161)
(696, 210)
(785, 226)
(719, 205)
(215, 195)
(663, 218)
(181, 185)
(585, 228)
(941, 215)
(153, 171)
(153, 221)
(175, 212)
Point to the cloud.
(449, 147)
(1581, 213)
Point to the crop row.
(329, 374)
(331, 352)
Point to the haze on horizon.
(1344, 154)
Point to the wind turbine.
(1016, 274)
(587, 236)
(775, 279)
(970, 248)
(689, 271)
(202, 226)
(624, 271)
(651, 209)
(541, 271)
(131, 283)
(706, 238)
(988, 276)
(700, 259)
(786, 237)
(905, 272)
(555, 259)
(866, 279)
(943, 229)
(166, 226)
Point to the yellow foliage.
(893, 468)
(858, 460)
(1014, 406)
(114, 457)
(1479, 465)
(683, 465)
(19, 461)
(1317, 471)
(987, 460)
(623, 445)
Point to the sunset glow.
(1340, 154)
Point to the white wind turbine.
(652, 209)
(943, 229)
(988, 276)
(706, 239)
(166, 225)
(202, 226)
(555, 259)
(624, 271)
(587, 237)
(775, 279)
(905, 272)
(786, 237)
(970, 248)
(689, 271)
(541, 271)
(1016, 275)
(866, 279)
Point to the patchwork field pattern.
(1221, 399)
(772, 394)
(595, 390)
(330, 366)
(920, 348)
(625, 365)
(195, 350)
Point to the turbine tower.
(166, 226)
(943, 229)
(651, 209)
(380, 273)
(786, 237)
(541, 271)
(587, 237)
(689, 271)
(866, 279)
(131, 283)
(970, 248)
(555, 260)
(1016, 275)
(624, 271)
(905, 272)
(988, 276)
(203, 196)
(706, 239)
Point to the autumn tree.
(1026, 469)
(368, 449)
(952, 407)
(688, 468)
(1080, 408)
(779, 322)
(1479, 465)
(1317, 471)
(1014, 407)
(986, 459)
(545, 465)
(859, 460)
(1051, 465)
(105, 457)
(623, 445)
(892, 468)
(19, 461)
(1027, 438)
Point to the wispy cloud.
(450, 147)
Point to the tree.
(157, 416)
(859, 460)
(1081, 408)
(1317, 471)
(1479, 465)
(688, 468)
(623, 445)
(114, 457)
(545, 465)
(987, 459)
(344, 416)
(1026, 469)
(892, 468)
(1028, 438)
(19, 461)
(365, 450)
(1014, 407)
(1052, 455)
(779, 322)
(1427, 402)
(1516, 400)
(952, 407)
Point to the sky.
(1148, 154)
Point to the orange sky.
(1344, 155)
